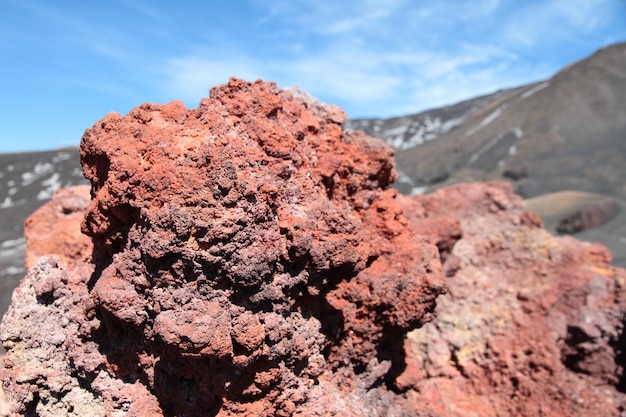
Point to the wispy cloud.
(328, 18)
(553, 22)
(190, 78)
(151, 13)
(63, 29)
(361, 58)
(375, 58)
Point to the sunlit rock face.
(247, 258)
(532, 324)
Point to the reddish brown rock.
(248, 259)
(51, 230)
(532, 324)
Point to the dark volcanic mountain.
(568, 132)
(407, 132)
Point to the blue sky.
(65, 64)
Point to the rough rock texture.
(532, 324)
(51, 229)
(248, 259)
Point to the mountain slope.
(568, 132)
(565, 133)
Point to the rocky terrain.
(407, 132)
(476, 140)
(249, 257)
(532, 324)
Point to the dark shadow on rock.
(620, 358)
(391, 348)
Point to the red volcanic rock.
(51, 230)
(532, 324)
(248, 259)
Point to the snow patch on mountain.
(40, 170)
(12, 247)
(533, 90)
(62, 156)
(12, 270)
(418, 190)
(403, 178)
(8, 203)
(490, 118)
(51, 185)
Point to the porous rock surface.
(248, 260)
(532, 324)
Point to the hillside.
(567, 133)
(407, 132)
(563, 133)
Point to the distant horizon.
(70, 64)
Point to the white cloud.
(372, 83)
(66, 30)
(329, 76)
(381, 58)
(146, 10)
(330, 18)
(373, 57)
(337, 80)
(582, 15)
(190, 78)
(555, 21)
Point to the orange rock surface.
(51, 230)
(249, 258)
